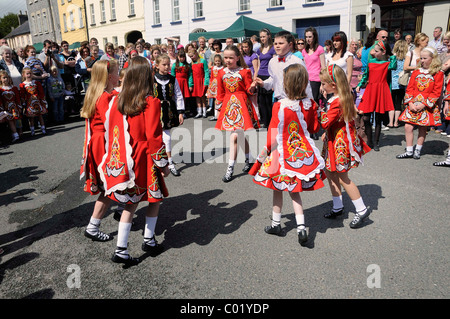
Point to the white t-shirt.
(414, 59)
(15, 74)
(342, 62)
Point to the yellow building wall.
(72, 20)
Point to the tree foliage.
(7, 22)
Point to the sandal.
(442, 164)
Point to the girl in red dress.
(135, 159)
(237, 113)
(290, 161)
(200, 76)
(342, 147)
(33, 99)
(212, 88)
(377, 95)
(422, 93)
(104, 77)
(10, 103)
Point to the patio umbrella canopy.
(74, 45)
(38, 46)
(243, 27)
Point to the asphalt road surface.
(215, 245)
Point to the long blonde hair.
(99, 81)
(400, 49)
(334, 74)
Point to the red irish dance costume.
(94, 145)
(290, 161)
(200, 76)
(183, 74)
(211, 93)
(377, 95)
(33, 98)
(423, 88)
(10, 102)
(342, 147)
(134, 152)
(236, 110)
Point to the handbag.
(403, 78)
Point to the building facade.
(115, 21)
(43, 20)
(178, 18)
(72, 19)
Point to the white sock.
(122, 234)
(359, 205)
(199, 110)
(149, 231)
(337, 203)
(418, 147)
(409, 149)
(204, 110)
(170, 160)
(93, 226)
(300, 219)
(231, 163)
(276, 219)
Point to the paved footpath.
(213, 232)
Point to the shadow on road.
(316, 223)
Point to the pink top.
(313, 63)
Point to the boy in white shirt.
(283, 45)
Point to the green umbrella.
(74, 45)
(38, 46)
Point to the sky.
(12, 6)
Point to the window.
(156, 14)
(198, 8)
(244, 5)
(132, 12)
(80, 16)
(105, 40)
(65, 22)
(276, 3)
(91, 6)
(102, 11)
(115, 41)
(38, 23)
(158, 41)
(72, 21)
(33, 23)
(175, 10)
(44, 21)
(113, 9)
(310, 1)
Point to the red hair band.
(331, 72)
(381, 44)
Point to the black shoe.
(376, 148)
(100, 236)
(405, 155)
(130, 261)
(173, 170)
(152, 250)
(247, 166)
(213, 119)
(273, 230)
(228, 175)
(197, 116)
(302, 236)
(333, 214)
(441, 164)
(416, 154)
(359, 218)
(205, 116)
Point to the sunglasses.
(300, 43)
